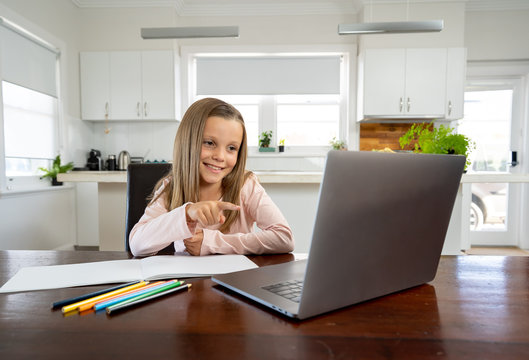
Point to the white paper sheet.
(117, 271)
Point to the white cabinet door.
(403, 83)
(425, 83)
(125, 85)
(455, 83)
(384, 82)
(158, 100)
(95, 85)
(128, 85)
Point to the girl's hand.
(193, 244)
(208, 213)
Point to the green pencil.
(147, 296)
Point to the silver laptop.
(380, 227)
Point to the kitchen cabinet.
(409, 83)
(95, 85)
(128, 85)
(455, 83)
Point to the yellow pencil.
(92, 304)
(76, 305)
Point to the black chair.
(141, 179)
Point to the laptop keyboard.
(290, 289)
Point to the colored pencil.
(92, 304)
(61, 303)
(104, 304)
(146, 297)
(76, 305)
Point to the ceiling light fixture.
(391, 27)
(190, 32)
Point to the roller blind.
(268, 75)
(27, 63)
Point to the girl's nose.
(218, 154)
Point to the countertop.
(265, 177)
(280, 177)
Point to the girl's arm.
(256, 205)
(158, 228)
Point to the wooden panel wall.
(378, 136)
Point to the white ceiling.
(286, 7)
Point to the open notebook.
(118, 271)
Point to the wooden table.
(476, 308)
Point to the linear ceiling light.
(391, 27)
(190, 32)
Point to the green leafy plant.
(265, 138)
(282, 142)
(56, 168)
(442, 140)
(337, 144)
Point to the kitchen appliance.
(94, 161)
(111, 162)
(123, 160)
(136, 159)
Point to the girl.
(208, 204)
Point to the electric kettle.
(123, 160)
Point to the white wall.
(500, 35)
(38, 221)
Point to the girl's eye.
(208, 143)
(232, 148)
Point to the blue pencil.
(145, 297)
(60, 304)
(105, 304)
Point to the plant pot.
(281, 148)
(54, 182)
(267, 149)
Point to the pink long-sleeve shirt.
(159, 227)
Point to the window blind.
(281, 75)
(26, 62)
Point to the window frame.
(13, 185)
(268, 104)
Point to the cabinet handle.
(106, 109)
(449, 107)
(145, 109)
(138, 109)
(400, 105)
(408, 105)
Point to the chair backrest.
(141, 179)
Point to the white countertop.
(270, 177)
(278, 177)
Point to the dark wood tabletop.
(476, 308)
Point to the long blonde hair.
(184, 179)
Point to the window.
(299, 96)
(29, 116)
(29, 128)
(308, 119)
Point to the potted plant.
(264, 142)
(442, 140)
(55, 169)
(282, 145)
(338, 144)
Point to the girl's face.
(220, 147)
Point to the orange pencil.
(90, 305)
(76, 305)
